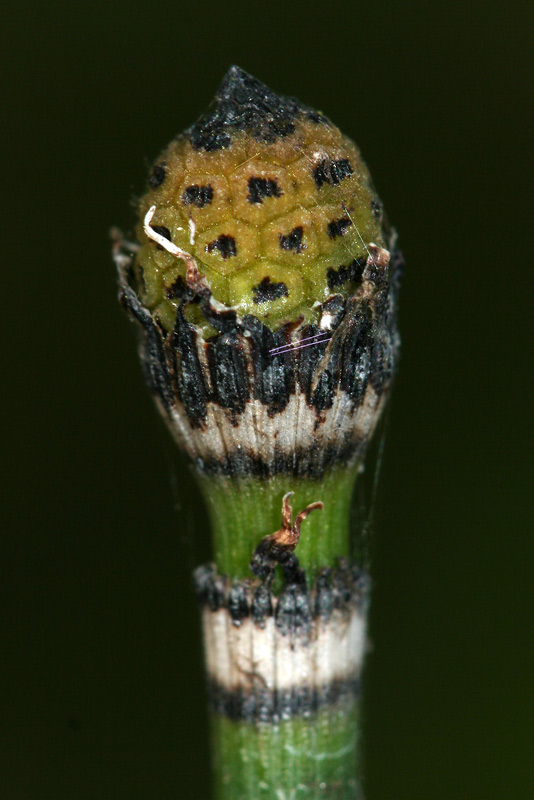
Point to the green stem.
(314, 756)
(312, 759)
(243, 511)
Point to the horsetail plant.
(265, 283)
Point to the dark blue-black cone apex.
(243, 103)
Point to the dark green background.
(104, 690)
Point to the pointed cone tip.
(243, 103)
(242, 87)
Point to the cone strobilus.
(264, 284)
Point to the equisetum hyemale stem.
(265, 282)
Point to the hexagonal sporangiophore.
(291, 239)
(206, 199)
(266, 289)
(228, 247)
(261, 191)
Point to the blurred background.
(103, 695)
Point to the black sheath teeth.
(343, 588)
(245, 360)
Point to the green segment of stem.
(308, 758)
(242, 511)
(311, 759)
